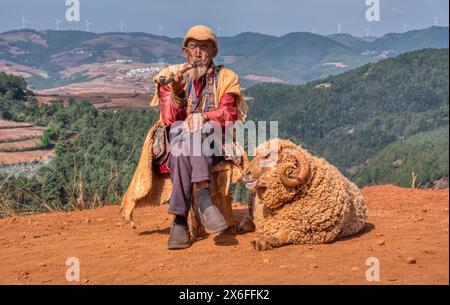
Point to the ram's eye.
(266, 156)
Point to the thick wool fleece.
(328, 206)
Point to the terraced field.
(20, 143)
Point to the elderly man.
(196, 91)
(205, 94)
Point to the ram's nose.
(249, 182)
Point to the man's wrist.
(179, 99)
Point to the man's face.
(201, 52)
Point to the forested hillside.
(352, 117)
(96, 152)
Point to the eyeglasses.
(203, 48)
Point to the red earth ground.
(407, 231)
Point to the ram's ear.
(262, 183)
(264, 180)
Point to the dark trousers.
(184, 170)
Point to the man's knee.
(201, 167)
(179, 161)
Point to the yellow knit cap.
(200, 32)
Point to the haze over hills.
(44, 56)
(293, 58)
(394, 43)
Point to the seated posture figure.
(205, 93)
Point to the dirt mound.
(407, 231)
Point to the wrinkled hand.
(178, 82)
(190, 124)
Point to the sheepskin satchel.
(148, 187)
(161, 145)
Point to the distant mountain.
(57, 53)
(395, 43)
(296, 58)
(54, 51)
(369, 114)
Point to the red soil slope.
(407, 231)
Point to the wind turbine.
(368, 32)
(339, 26)
(436, 20)
(24, 22)
(58, 22)
(160, 27)
(404, 27)
(88, 24)
(122, 25)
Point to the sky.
(228, 18)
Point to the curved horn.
(302, 164)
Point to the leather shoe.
(212, 220)
(179, 238)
